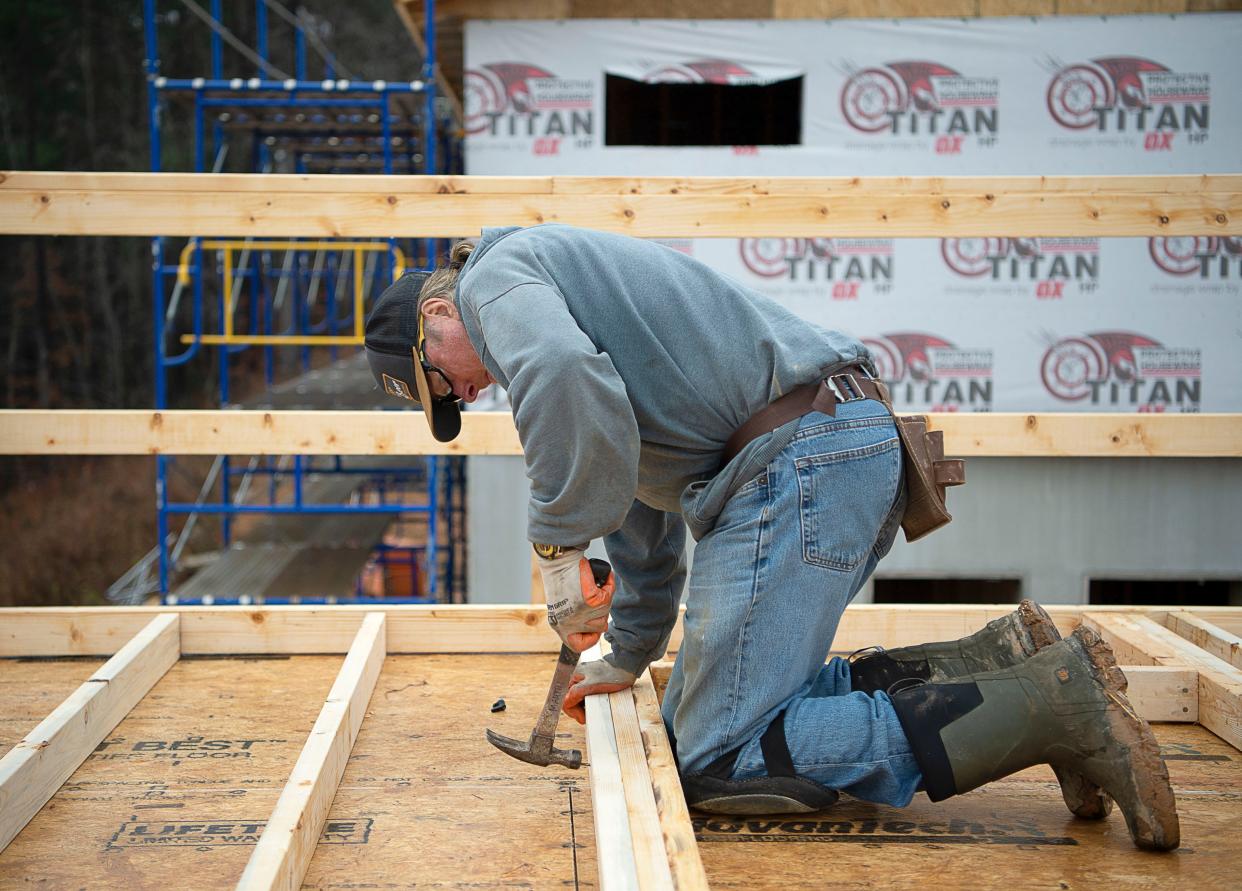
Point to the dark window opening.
(1166, 592)
(675, 114)
(948, 590)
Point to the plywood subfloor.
(1014, 834)
(449, 809)
(177, 795)
(31, 688)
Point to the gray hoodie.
(628, 366)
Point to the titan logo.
(1128, 94)
(1123, 369)
(846, 263)
(1048, 263)
(921, 99)
(518, 99)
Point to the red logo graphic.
(929, 370)
(1121, 367)
(973, 257)
(879, 99)
(703, 71)
(769, 257)
(898, 356)
(1081, 95)
(549, 106)
(497, 88)
(1187, 255)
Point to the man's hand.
(577, 607)
(600, 676)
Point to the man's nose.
(469, 393)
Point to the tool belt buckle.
(839, 382)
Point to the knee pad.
(782, 791)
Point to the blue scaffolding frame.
(297, 107)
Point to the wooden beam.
(466, 628)
(63, 203)
(201, 432)
(681, 848)
(1216, 640)
(37, 766)
(617, 186)
(1220, 684)
(1163, 694)
(129, 432)
(1072, 435)
(614, 847)
(646, 829)
(83, 631)
(284, 851)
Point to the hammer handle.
(565, 665)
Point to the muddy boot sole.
(1037, 626)
(1085, 799)
(1144, 792)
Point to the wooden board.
(284, 850)
(515, 628)
(34, 769)
(201, 432)
(1135, 637)
(62, 203)
(685, 864)
(1202, 633)
(449, 13)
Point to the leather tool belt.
(927, 472)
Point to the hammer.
(539, 749)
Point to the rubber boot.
(1001, 643)
(1004, 642)
(1065, 707)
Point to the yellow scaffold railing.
(227, 247)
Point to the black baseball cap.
(393, 342)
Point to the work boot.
(1065, 707)
(1002, 643)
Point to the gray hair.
(443, 281)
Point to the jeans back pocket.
(844, 498)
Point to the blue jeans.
(769, 584)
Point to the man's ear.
(438, 306)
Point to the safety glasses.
(428, 376)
